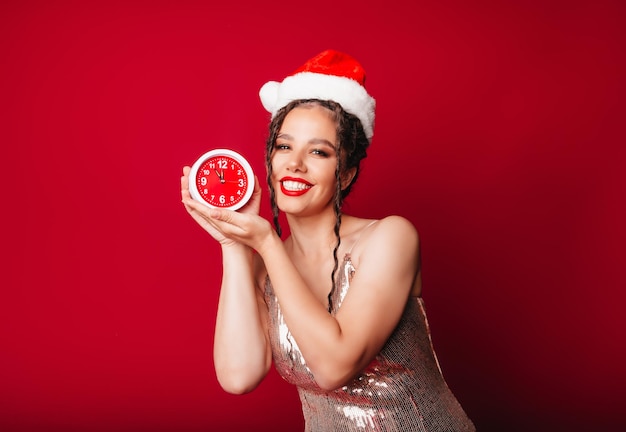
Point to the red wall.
(500, 128)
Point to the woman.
(337, 304)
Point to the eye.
(319, 152)
(281, 146)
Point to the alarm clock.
(221, 178)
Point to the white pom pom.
(269, 96)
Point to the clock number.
(240, 183)
(222, 164)
(222, 199)
(203, 181)
(206, 172)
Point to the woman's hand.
(228, 227)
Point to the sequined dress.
(402, 390)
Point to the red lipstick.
(294, 187)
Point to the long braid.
(335, 258)
(337, 203)
(269, 151)
(342, 128)
(275, 211)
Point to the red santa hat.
(330, 75)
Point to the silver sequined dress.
(402, 390)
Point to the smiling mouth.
(294, 186)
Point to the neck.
(312, 235)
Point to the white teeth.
(291, 185)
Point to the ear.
(347, 178)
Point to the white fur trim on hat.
(309, 85)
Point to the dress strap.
(361, 235)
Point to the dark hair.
(352, 147)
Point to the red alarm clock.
(221, 178)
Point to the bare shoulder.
(392, 236)
(395, 231)
(400, 223)
(387, 261)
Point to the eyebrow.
(322, 141)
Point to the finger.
(256, 195)
(257, 185)
(195, 206)
(184, 191)
(230, 223)
(184, 183)
(211, 215)
(202, 214)
(184, 179)
(221, 215)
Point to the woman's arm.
(337, 348)
(241, 350)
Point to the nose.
(296, 162)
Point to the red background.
(499, 128)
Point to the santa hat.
(331, 75)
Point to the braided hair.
(351, 149)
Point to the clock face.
(221, 178)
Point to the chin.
(290, 208)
